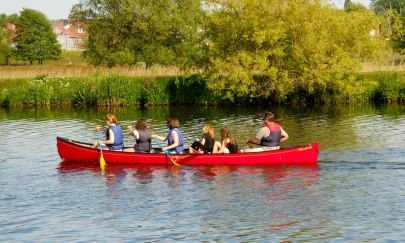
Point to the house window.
(80, 30)
(80, 40)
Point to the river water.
(356, 194)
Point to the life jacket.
(275, 135)
(179, 149)
(143, 144)
(118, 138)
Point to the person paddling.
(142, 135)
(270, 135)
(174, 138)
(113, 135)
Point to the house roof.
(11, 27)
(67, 32)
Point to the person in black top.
(207, 142)
(228, 144)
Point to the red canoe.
(75, 151)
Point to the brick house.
(71, 36)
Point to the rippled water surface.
(356, 194)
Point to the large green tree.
(140, 31)
(35, 39)
(5, 40)
(269, 48)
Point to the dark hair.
(173, 123)
(269, 116)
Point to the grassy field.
(73, 65)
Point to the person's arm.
(159, 137)
(253, 141)
(175, 144)
(111, 138)
(109, 141)
(258, 137)
(284, 135)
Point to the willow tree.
(263, 48)
(139, 31)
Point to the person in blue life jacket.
(174, 138)
(269, 137)
(113, 135)
(142, 135)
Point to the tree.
(270, 48)
(393, 11)
(5, 40)
(140, 31)
(35, 39)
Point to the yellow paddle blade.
(102, 162)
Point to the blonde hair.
(111, 118)
(209, 130)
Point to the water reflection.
(280, 178)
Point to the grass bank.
(119, 90)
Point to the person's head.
(208, 129)
(111, 119)
(226, 133)
(268, 116)
(173, 123)
(141, 124)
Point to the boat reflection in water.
(260, 177)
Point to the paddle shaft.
(167, 154)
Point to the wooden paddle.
(102, 161)
(166, 152)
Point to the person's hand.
(129, 129)
(96, 144)
(99, 128)
(152, 136)
(164, 149)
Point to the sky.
(60, 9)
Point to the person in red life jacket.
(269, 136)
(228, 144)
(113, 135)
(142, 135)
(174, 138)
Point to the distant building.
(71, 36)
(11, 30)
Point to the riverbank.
(118, 90)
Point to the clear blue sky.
(59, 9)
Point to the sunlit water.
(356, 194)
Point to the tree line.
(249, 48)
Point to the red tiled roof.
(11, 27)
(67, 32)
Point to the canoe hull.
(83, 152)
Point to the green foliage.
(293, 44)
(393, 12)
(35, 40)
(5, 41)
(118, 90)
(142, 31)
